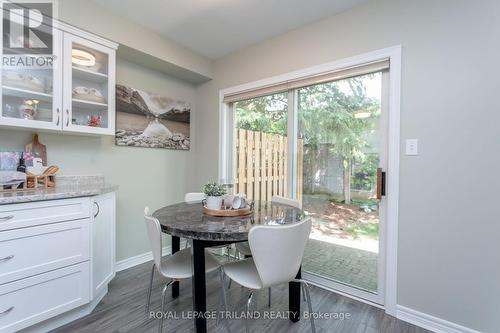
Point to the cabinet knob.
(58, 117)
(67, 117)
(6, 218)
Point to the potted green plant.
(214, 193)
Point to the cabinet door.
(89, 88)
(40, 297)
(103, 242)
(31, 90)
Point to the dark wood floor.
(122, 310)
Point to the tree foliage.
(266, 114)
(326, 116)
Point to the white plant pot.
(214, 203)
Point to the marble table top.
(187, 220)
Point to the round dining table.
(187, 220)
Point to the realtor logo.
(28, 37)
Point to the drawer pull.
(98, 209)
(6, 312)
(6, 218)
(7, 258)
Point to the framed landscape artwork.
(150, 120)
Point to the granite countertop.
(188, 220)
(66, 187)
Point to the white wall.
(146, 176)
(448, 223)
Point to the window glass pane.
(28, 66)
(338, 155)
(260, 136)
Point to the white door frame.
(391, 235)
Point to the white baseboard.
(142, 258)
(429, 322)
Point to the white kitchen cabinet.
(42, 87)
(103, 242)
(30, 214)
(89, 92)
(76, 95)
(30, 251)
(29, 301)
(57, 258)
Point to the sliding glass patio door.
(322, 141)
(341, 145)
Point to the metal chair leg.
(148, 302)
(235, 258)
(163, 294)
(269, 297)
(309, 304)
(223, 293)
(249, 303)
(228, 252)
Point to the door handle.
(6, 218)
(67, 117)
(380, 183)
(58, 117)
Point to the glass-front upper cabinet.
(89, 86)
(31, 75)
(54, 76)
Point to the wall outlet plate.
(411, 147)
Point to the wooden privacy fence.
(261, 165)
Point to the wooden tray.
(228, 212)
(32, 183)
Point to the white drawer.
(29, 251)
(43, 212)
(29, 301)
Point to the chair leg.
(249, 303)
(231, 281)
(309, 304)
(223, 293)
(269, 298)
(163, 294)
(148, 301)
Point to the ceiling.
(215, 28)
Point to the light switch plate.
(412, 147)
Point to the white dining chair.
(243, 248)
(277, 253)
(176, 267)
(194, 197)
